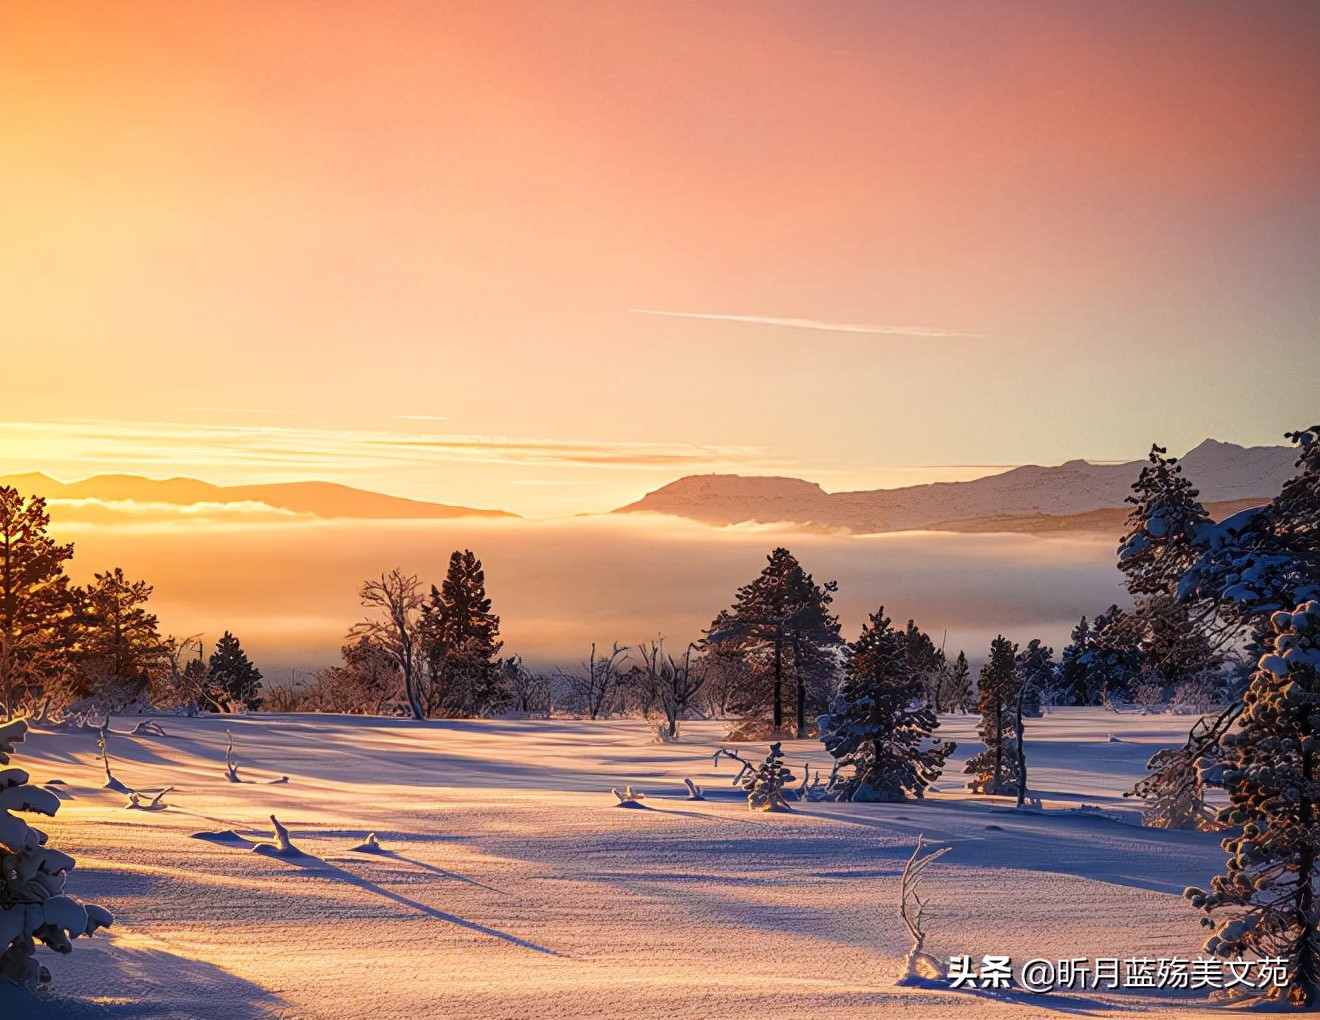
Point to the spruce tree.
(461, 643)
(232, 678)
(120, 646)
(995, 769)
(1036, 675)
(1102, 661)
(783, 614)
(956, 693)
(35, 597)
(880, 725)
(1268, 901)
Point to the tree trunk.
(801, 693)
(1021, 751)
(1306, 977)
(779, 683)
(999, 745)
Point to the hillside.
(1029, 498)
(321, 499)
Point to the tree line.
(65, 646)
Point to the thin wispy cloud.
(924, 332)
(230, 410)
(264, 450)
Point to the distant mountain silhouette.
(1077, 495)
(322, 499)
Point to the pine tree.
(783, 614)
(33, 907)
(119, 641)
(1103, 660)
(1036, 675)
(880, 724)
(461, 643)
(233, 680)
(1269, 897)
(35, 597)
(1163, 526)
(995, 770)
(1264, 559)
(1181, 639)
(924, 661)
(956, 693)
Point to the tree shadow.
(131, 976)
(318, 866)
(394, 855)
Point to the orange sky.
(1066, 230)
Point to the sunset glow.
(821, 240)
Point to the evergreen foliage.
(35, 598)
(995, 769)
(33, 907)
(120, 649)
(460, 638)
(784, 615)
(232, 678)
(1267, 903)
(880, 725)
(1037, 673)
(1103, 661)
(1265, 559)
(957, 693)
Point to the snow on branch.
(919, 966)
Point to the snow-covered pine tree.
(1036, 675)
(765, 783)
(995, 770)
(1265, 559)
(880, 724)
(1102, 661)
(33, 907)
(1268, 900)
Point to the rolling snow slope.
(512, 887)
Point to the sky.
(546, 257)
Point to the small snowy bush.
(764, 784)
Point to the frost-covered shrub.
(764, 783)
(33, 907)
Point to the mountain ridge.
(320, 499)
(1225, 474)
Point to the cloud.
(231, 410)
(71, 447)
(816, 324)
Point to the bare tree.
(397, 597)
(671, 683)
(919, 964)
(597, 690)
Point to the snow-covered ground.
(513, 886)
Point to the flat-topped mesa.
(733, 499)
